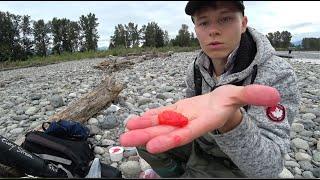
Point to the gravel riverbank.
(29, 96)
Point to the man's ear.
(244, 24)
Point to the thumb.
(258, 95)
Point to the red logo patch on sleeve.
(276, 113)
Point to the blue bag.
(67, 129)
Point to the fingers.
(159, 110)
(258, 95)
(142, 122)
(148, 119)
(142, 136)
(181, 136)
(166, 142)
(162, 138)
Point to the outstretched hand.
(205, 113)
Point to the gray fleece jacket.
(257, 145)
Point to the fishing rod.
(15, 156)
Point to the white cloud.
(296, 17)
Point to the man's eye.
(203, 23)
(225, 20)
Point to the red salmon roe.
(172, 118)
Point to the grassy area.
(41, 61)
(281, 49)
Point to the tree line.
(283, 40)
(21, 37)
(311, 44)
(150, 35)
(280, 39)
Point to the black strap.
(211, 67)
(254, 73)
(197, 79)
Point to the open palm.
(205, 113)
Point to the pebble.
(107, 142)
(285, 174)
(300, 143)
(297, 127)
(98, 150)
(302, 157)
(130, 168)
(307, 174)
(93, 121)
(32, 111)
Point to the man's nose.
(214, 29)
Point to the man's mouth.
(215, 43)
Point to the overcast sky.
(301, 18)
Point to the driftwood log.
(81, 111)
(113, 64)
(89, 105)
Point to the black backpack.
(65, 144)
(74, 155)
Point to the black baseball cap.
(192, 6)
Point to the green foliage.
(153, 35)
(129, 36)
(132, 35)
(6, 36)
(166, 38)
(280, 40)
(57, 35)
(311, 44)
(66, 35)
(41, 38)
(19, 41)
(27, 43)
(10, 46)
(183, 37)
(194, 41)
(120, 37)
(89, 32)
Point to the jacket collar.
(230, 61)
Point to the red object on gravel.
(116, 150)
(172, 118)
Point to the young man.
(235, 129)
